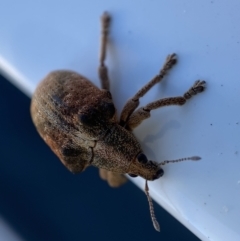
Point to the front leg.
(133, 103)
(143, 113)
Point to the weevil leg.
(143, 113)
(102, 70)
(113, 179)
(133, 103)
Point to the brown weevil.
(79, 122)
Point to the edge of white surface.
(13, 75)
(7, 233)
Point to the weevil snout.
(145, 168)
(159, 174)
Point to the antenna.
(193, 158)
(154, 220)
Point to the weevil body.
(79, 122)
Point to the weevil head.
(145, 168)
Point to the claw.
(198, 87)
(170, 61)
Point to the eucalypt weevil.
(79, 122)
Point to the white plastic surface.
(40, 36)
(7, 233)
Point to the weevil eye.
(159, 173)
(142, 158)
(132, 175)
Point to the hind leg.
(102, 70)
(143, 113)
(113, 179)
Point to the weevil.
(79, 122)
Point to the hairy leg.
(102, 70)
(143, 113)
(133, 103)
(113, 179)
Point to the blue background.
(42, 200)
